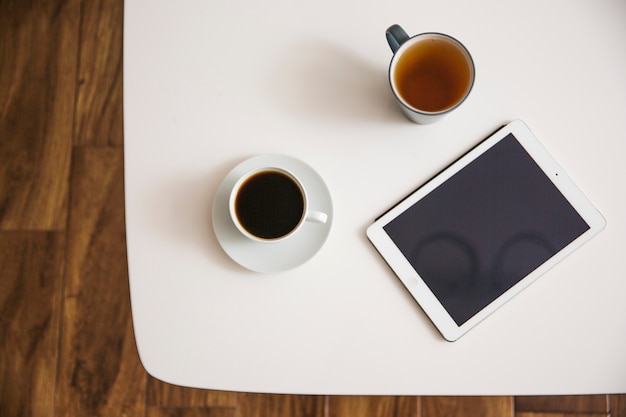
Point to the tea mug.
(430, 74)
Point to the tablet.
(484, 228)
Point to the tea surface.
(433, 75)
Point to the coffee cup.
(430, 74)
(270, 204)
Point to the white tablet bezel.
(411, 279)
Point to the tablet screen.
(485, 228)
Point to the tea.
(269, 204)
(433, 75)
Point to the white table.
(210, 83)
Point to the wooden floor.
(66, 339)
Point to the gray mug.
(430, 74)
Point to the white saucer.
(282, 255)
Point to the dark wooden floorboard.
(618, 405)
(99, 110)
(373, 406)
(273, 405)
(31, 268)
(161, 394)
(557, 414)
(563, 404)
(467, 406)
(38, 50)
(192, 412)
(99, 369)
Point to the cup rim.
(233, 197)
(413, 39)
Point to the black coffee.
(269, 204)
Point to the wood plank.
(99, 110)
(478, 406)
(38, 52)
(618, 405)
(373, 406)
(563, 403)
(191, 412)
(275, 405)
(161, 394)
(540, 414)
(99, 368)
(30, 296)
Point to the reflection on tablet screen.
(485, 229)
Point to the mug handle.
(396, 36)
(316, 217)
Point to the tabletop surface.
(209, 84)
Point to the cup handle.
(396, 36)
(316, 217)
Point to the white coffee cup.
(270, 204)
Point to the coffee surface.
(433, 75)
(269, 204)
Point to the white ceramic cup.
(270, 204)
(430, 74)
